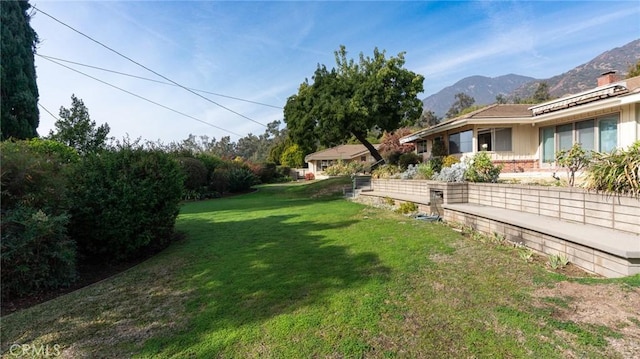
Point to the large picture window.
(599, 134)
(585, 135)
(495, 139)
(565, 136)
(548, 145)
(461, 142)
(608, 134)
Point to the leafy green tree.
(75, 129)
(428, 118)
(462, 102)
(351, 99)
(542, 93)
(634, 70)
(19, 91)
(292, 156)
(500, 99)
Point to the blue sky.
(262, 51)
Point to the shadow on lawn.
(249, 270)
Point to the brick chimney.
(608, 77)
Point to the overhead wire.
(49, 112)
(144, 98)
(156, 81)
(143, 66)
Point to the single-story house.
(527, 137)
(319, 161)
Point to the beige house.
(527, 138)
(319, 161)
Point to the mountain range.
(485, 89)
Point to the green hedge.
(125, 202)
(36, 252)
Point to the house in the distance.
(319, 161)
(527, 137)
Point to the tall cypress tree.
(19, 109)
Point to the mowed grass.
(295, 271)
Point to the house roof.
(342, 152)
(496, 113)
(601, 97)
(598, 93)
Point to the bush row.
(59, 209)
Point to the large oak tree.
(353, 98)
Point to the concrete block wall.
(452, 192)
(584, 257)
(567, 204)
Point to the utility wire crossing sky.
(251, 56)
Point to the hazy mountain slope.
(485, 89)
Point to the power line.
(146, 68)
(156, 81)
(144, 98)
(49, 112)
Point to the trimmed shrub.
(481, 169)
(386, 171)
(220, 180)
(125, 202)
(283, 171)
(409, 158)
(266, 172)
(36, 252)
(392, 157)
(309, 176)
(449, 161)
(454, 173)
(435, 163)
(241, 179)
(195, 173)
(425, 171)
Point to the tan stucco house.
(527, 137)
(319, 161)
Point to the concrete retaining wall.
(567, 204)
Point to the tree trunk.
(369, 146)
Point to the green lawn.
(293, 272)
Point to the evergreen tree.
(75, 129)
(634, 70)
(19, 102)
(427, 119)
(542, 93)
(462, 102)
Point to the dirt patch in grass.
(616, 306)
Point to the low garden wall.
(597, 232)
(568, 204)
